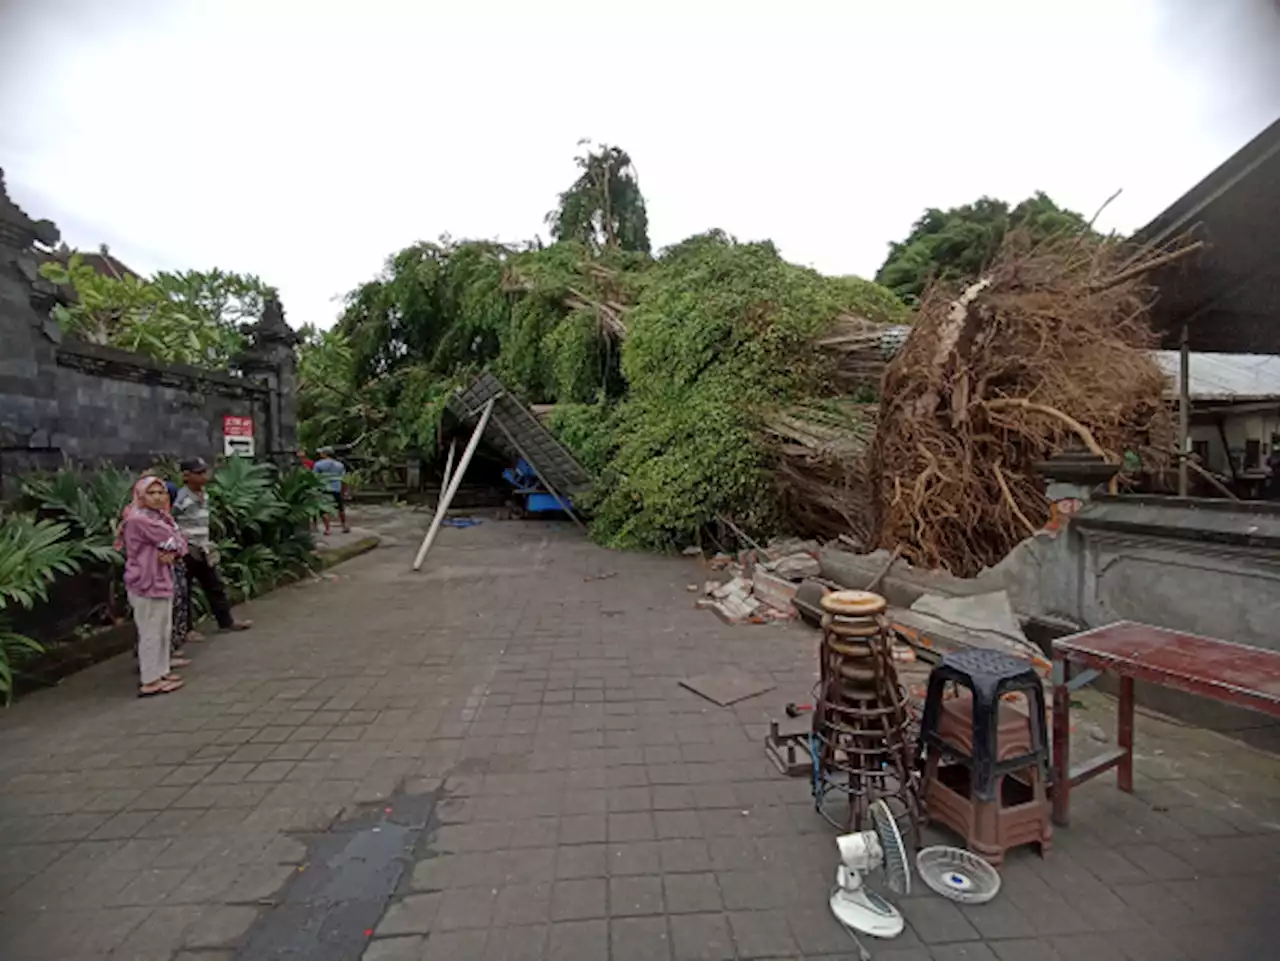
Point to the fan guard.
(958, 874)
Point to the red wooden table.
(1231, 673)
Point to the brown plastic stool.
(1019, 813)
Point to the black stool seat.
(989, 675)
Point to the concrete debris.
(736, 585)
(692, 551)
(774, 590)
(795, 567)
(983, 613)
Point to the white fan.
(852, 903)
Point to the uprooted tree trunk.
(1050, 350)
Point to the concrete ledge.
(333, 556)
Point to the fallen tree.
(1048, 350)
(735, 361)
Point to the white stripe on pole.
(454, 482)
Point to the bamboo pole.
(448, 469)
(1184, 410)
(454, 482)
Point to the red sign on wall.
(237, 436)
(233, 426)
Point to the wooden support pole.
(1184, 411)
(448, 470)
(454, 482)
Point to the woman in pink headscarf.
(152, 542)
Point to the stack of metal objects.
(860, 723)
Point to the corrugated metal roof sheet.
(1225, 376)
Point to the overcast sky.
(305, 141)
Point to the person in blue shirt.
(331, 470)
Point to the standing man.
(331, 471)
(191, 511)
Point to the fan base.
(866, 912)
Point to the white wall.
(1239, 427)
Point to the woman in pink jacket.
(152, 542)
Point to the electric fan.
(958, 874)
(851, 902)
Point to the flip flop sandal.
(239, 626)
(195, 636)
(168, 687)
(180, 662)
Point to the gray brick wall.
(88, 404)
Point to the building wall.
(1239, 427)
(69, 400)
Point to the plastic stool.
(989, 675)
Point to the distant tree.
(604, 208)
(954, 245)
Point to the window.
(1200, 448)
(1252, 454)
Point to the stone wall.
(68, 400)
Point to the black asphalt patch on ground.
(329, 908)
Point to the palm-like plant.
(32, 553)
(261, 521)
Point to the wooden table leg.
(1124, 737)
(1061, 741)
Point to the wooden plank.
(1083, 771)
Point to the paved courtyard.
(492, 759)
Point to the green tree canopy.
(190, 318)
(604, 208)
(954, 245)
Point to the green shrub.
(32, 554)
(260, 520)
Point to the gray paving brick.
(1024, 949)
(583, 829)
(762, 934)
(633, 857)
(639, 939)
(578, 900)
(415, 914)
(701, 937)
(583, 765)
(634, 895)
(963, 951)
(936, 921)
(576, 940)
(216, 926)
(394, 949)
(468, 945)
(520, 943)
(582, 861)
(1000, 918)
(691, 893)
(465, 908)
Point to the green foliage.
(721, 334)
(32, 554)
(590, 431)
(89, 502)
(261, 521)
(189, 318)
(955, 245)
(438, 314)
(604, 208)
(330, 407)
